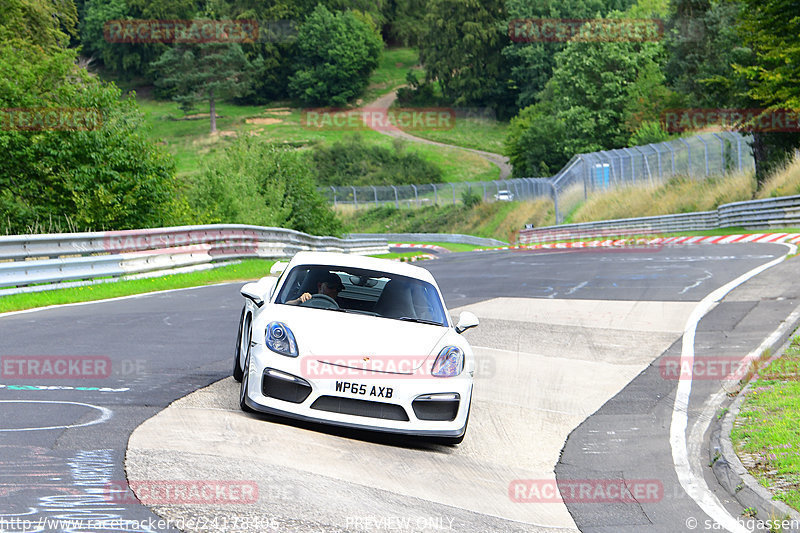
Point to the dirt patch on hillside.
(264, 121)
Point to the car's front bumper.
(323, 394)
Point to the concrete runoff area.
(534, 384)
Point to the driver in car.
(330, 286)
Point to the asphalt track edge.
(728, 469)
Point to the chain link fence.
(437, 193)
(699, 157)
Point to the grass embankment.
(246, 270)
(677, 195)
(188, 138)
(766, 435)
(391, 73)
(683, 194)
(498, 220)
(479, 133)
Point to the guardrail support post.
(705, 151)
(688, 156)
(555, 201)
(658, 155)
(672, 153)
(633, 164)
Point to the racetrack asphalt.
(162, 347)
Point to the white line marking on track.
(105, 414)
(694, 484)
(697, 283)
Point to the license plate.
(361, 389)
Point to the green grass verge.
(391, 73)
(767, 430)
(246, 270)
(484, 134)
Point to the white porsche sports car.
(358, 342)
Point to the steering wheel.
(321, 301)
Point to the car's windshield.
(363, 291)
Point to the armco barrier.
(34, 259)
(430, 237)
(754, 214)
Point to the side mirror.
(253, 292)
(465, 321)
(260, 291)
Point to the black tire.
(237, 369)
(243, 387)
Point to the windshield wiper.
(418, 320)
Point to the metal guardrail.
(33, 259)
(431, 237)
(752, 215)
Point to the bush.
(253, 182)
(353, 162)
(470, 198)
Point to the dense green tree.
(129, 59)
(47, 24)
(252, 182)
(334, 58)
(702, 44)
(205, 72)
(535, 142)
(593, 101)
(772, 28)
(460, 48)
(532, 61)
(89, 162)
(404, 24)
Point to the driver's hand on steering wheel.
(306, 296)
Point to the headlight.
(449, 362)
(280, 339)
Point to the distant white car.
(358, 342)
(504, 196)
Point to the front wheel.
(245, 384)
(237, 354)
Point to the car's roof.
(360, 261)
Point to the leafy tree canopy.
(334, 58)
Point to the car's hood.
(341, 337)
